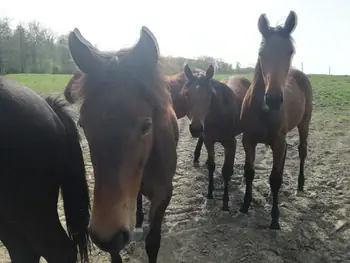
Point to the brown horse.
(176, 83)
(131, 128)
(279, 100)
(214, 109)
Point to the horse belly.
(295, 108)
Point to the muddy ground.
(315, 227)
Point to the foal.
(132, 131)
(214, 110)
(279, 99)
(180, 104)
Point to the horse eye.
(146, 126)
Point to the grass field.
(330, 92)
(315, 227)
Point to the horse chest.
(264, 128)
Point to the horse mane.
(277, 31)
(117, 75)
(280, 31)
(258, 77)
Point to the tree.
(32, 48)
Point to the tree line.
(33, 48)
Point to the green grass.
(331, 93)
(43, 83)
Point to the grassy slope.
(331, 95)
(330, 92)
(43, 83)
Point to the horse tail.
(74, 187)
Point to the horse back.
(298, 98)
(304, 85)
(30, 144)
(23, 112)
(240, 86)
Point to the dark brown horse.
(176, 83)
(130, 125)
(279, 100)
(214, 109)
(40, 153)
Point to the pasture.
(315, 227)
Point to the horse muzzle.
(273, 100)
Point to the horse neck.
(222, 99)
(258, 86)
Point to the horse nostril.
(119, 240)
(126, 236)
(273, 100)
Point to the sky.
(224, 29)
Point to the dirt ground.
(315, 227)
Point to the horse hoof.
(239, 214)
(138, 234)
(196, 164)
(209, 203)
(243, 210)
(275, 226)
(225, 213)
(300, 193)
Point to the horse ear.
(210, 72)
(188, 72)
(83, 53)
(145, 53)
(73, 87)
(291, 22)
(263, 25)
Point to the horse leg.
(227, 169)
(16, 244)
(197, 151)
(209, 145)
(249, 172)
(138, 232)
(46, 235)
(279, 151)
(159, 203)
(116, 258)
(303, 129)
(139, 211)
